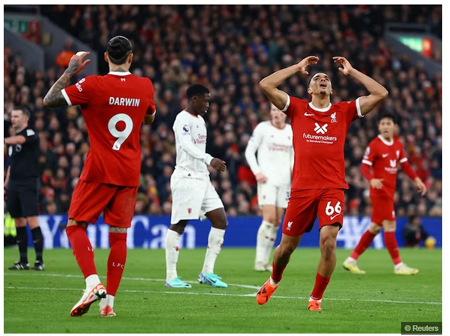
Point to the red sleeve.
(152, 108)
(79, 93)
(353, 110)
(291, 106)
(365, 170)
(405, 164)
(370, 156)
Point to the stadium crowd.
(230, 49)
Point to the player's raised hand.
(76, 63)
(260, 177)
(218, 164)
(421, 186)
(307, 61)
(346, 66)
(376, 183)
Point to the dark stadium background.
(230, 49)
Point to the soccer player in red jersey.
(114, 107)
(383, 154)
(318, 179)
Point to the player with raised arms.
(318, 179)
(114, 107)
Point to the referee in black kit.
(21, 187)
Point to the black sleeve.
(30, 135)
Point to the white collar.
(326, 109)
(118, 73)
(387, 143)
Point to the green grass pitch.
(40, 302)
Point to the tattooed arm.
(54, 97)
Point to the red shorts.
(382, 208)
(305, 205)
(90, 199)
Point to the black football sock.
(22, 241)
(38, 241)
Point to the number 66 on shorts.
(305, 205)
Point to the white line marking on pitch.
(124, 278)
(136, 291)
(187, 292)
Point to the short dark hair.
(388, 116)
(25, 111)
(412, 218)
(119, 47)
(309, 82)
(196, 90)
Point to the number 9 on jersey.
(120, 135)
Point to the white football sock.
(398, 266)
(215, 241)
(273, 283)
(108, 301)
(263, 241)
(269, 242)
(92, 281)
(312, 299)
(172, 252)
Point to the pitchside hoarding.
(150, 232)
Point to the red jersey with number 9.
(113, 108)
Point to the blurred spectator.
(414, 232)
(66, 54)
(230, 48)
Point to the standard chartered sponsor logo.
(154, 234)
(319, 138)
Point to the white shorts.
(192, 198)
(268, 194)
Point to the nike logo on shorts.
(334, 217)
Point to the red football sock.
(364, 243)
(391, 245)
(277, 272)
(82, 249)
(116, 261)
(319, 287)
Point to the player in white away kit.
(273, 169)
(193, 195)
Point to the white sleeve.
(182, 130)
(252, 147)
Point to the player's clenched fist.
(260, 177)
(218, 164)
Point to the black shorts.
(22, 198)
